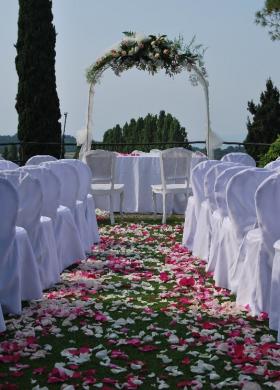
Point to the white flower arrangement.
(150, 53)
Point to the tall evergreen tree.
(37, 102)
(269, 16)
(160, 124)
(152, 129)
(265, 124)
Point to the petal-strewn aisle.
(140, 313)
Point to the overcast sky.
(240, 57)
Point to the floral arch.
(151, 53)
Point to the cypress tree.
(265, 124)
(37, 102)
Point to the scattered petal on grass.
(141, 312)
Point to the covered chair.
(19, 275)
(195, 201)
(39, 158)
(240, 195)
(255, 282)
(39, 227)
(175, 166)
(102, 166)
(2, 321)
(69, 246)
(88, 223)
(10, 288)
(197, 157)
(6, 165)
(204, 226)
(220, 211)
(273, 165)
(155, 151)
(241, 158)
(274, 306)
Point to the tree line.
(162, 129)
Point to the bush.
(272, 154)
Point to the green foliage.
(269, 17)
(11, 139)
(151, 129)
(37, 102)
(265, 124)
(150, 53)
(5, 153)
(272, 154)
(12, 153)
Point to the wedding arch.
(151, 53)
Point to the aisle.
(139, 313)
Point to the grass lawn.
(139, 313)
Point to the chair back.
(210, 180)
(197, 157)
(240, 196)
(102, 166)
(84, 176)
(30, 198)
(155, 151)
(38, 159)
(69, 182)
(197, 180)
(268, 209)
(273, 165)
(238, 157)
(8, 165)
(50, 185)
(221, 185)
(175, 166)
(9, 209)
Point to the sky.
(240, 57)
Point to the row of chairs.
(48, 224)
(231, 222)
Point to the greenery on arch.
(151, 53)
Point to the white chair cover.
(7, 165)
(2, 321)
(189, 224)
(220, 212)
(274, 308)
(201, 243)
(50, 266)
(241, 158)
(204, 233)
(273, 165)
(10, 289)
(69, 245)
(19, 276)
(197, 158)
(241, 218)
(88, 222)
(38, 227)
(257, 268)
(194, 202)
(38, 159)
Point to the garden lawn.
(140, 313)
